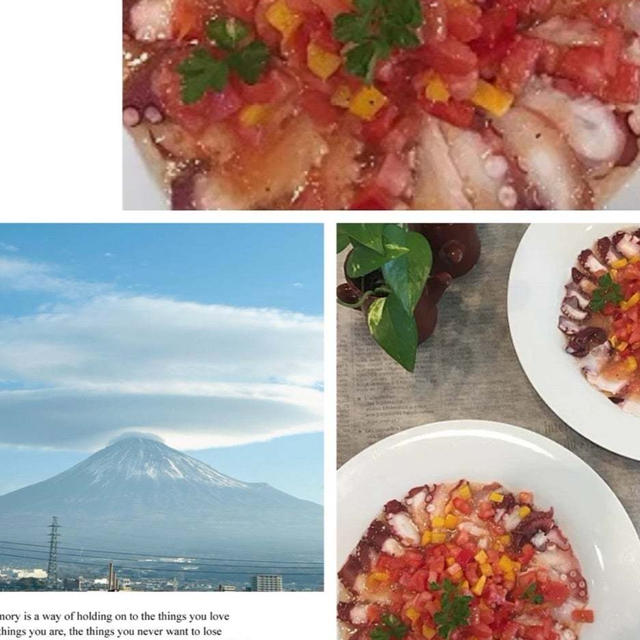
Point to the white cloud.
(8, 247)
(198, 375)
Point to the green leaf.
(342, 239)
(227, 33)
(361, 59)
(201, 71)
(349, 27)
(379, 633)
(363, 260)
(394, 330)
(407, 274)
(369, 234)
(250, 61)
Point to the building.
(71, 584)
(267, 583)
(226, 587)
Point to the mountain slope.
(140, 495)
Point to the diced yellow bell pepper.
(634, 259)
(505, 539)
(614, 274)
(478, 587)
(465, 491)
(481, 557)
(412, 614)
(380, 576)
(613, 340)
(438, 537)
(622, 346)
(436, 89)
(631, 363)
(322, 63)
(505, 564)
(451, 521)
(253, 114)
(437, 521)
(524, 511)
(464, 585)
(618, 264)
(450, 561)
(426, 538)
(486, 569)
(428, 632)
(341, 97)
(496, 497)
(493, 99)
(367, 102)
(633, 300)
(281, 17)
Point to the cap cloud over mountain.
(142, 496)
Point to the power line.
(110, 553)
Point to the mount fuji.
(139, 495)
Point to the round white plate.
(142, 192)
(588, 512)
(540, 270)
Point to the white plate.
(586, 509)
(540, 270)
(142, 192)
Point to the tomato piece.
(371, 199)
(463, 22)
(481, 630)
(319, 107)
(376, 129)
(241, 8)
(583, 615)
(485, 511)
(450, 56)
(625, 85)
(520, 63)
(527, 554)
(585, 66)
(464, 557)
(274, 86)
(418, 581)
(462, 505)
(554, 592)
(458, 113)
(613, 44)
(510, 631)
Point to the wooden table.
(467, 369)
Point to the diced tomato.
(625, 85)
(462, 505)
(450, 56)
(418, 581)
(461, 87)
(371, 199)
(613, 38)
(554, 592)
(481, 630)
(583, 615)
(188, 18)
(241, 8)
(609, 309)
(464, 557)
(435, 20)
(485, 510)
(457, 113)
(498, 25)
(602, 12)
(319, 107)
(527, 554)
(520, 63)
(274, 86)
(510, 631)
(332, 8)
(374, 613)
(585, 66)
(549, 57)
(376, 129)
(463, 22)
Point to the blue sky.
(207, 335)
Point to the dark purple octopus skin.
(585, 340)
(534, 522)
(138, 96)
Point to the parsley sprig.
(202, 71)
(532, 595)
(391, 627)
(374, 29)
(607, 291)
(454, 608)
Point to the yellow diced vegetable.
(613, 339)
(464, 585)
(451, 521)
(380, 576)
(631, 363)
(437, 521)
(253, 114)
(412, 614)
(505, 539)
(496, 497)
(634, 259)
(428, 632)
(481, 557)
(281, 17)
(486, 569)
(450, 561)
(478, 587)
(426, 538)
(367, 102)
(438, 537)
(505, 564)
(341, 97)
(436, 89)
(465, 492)
(618, 264)
(524, 511)
(622, 346)
(322, 63)
(633, 300)
(494, 100)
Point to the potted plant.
(397, 273)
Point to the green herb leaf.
(369, 234)
(250, 61)
(394, 330)
(374, 29)
(201, 71)
(396, 627)
(227, 33)
(379, 633)
(363, 260)
(454, 610)
(607, 291)
(407, 274)
(531, 594)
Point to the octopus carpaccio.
(491, 554)
(492, 104)
(601, 317)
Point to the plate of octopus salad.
(573, 317)
(376, 104)
(426, 554)
(464, 560)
